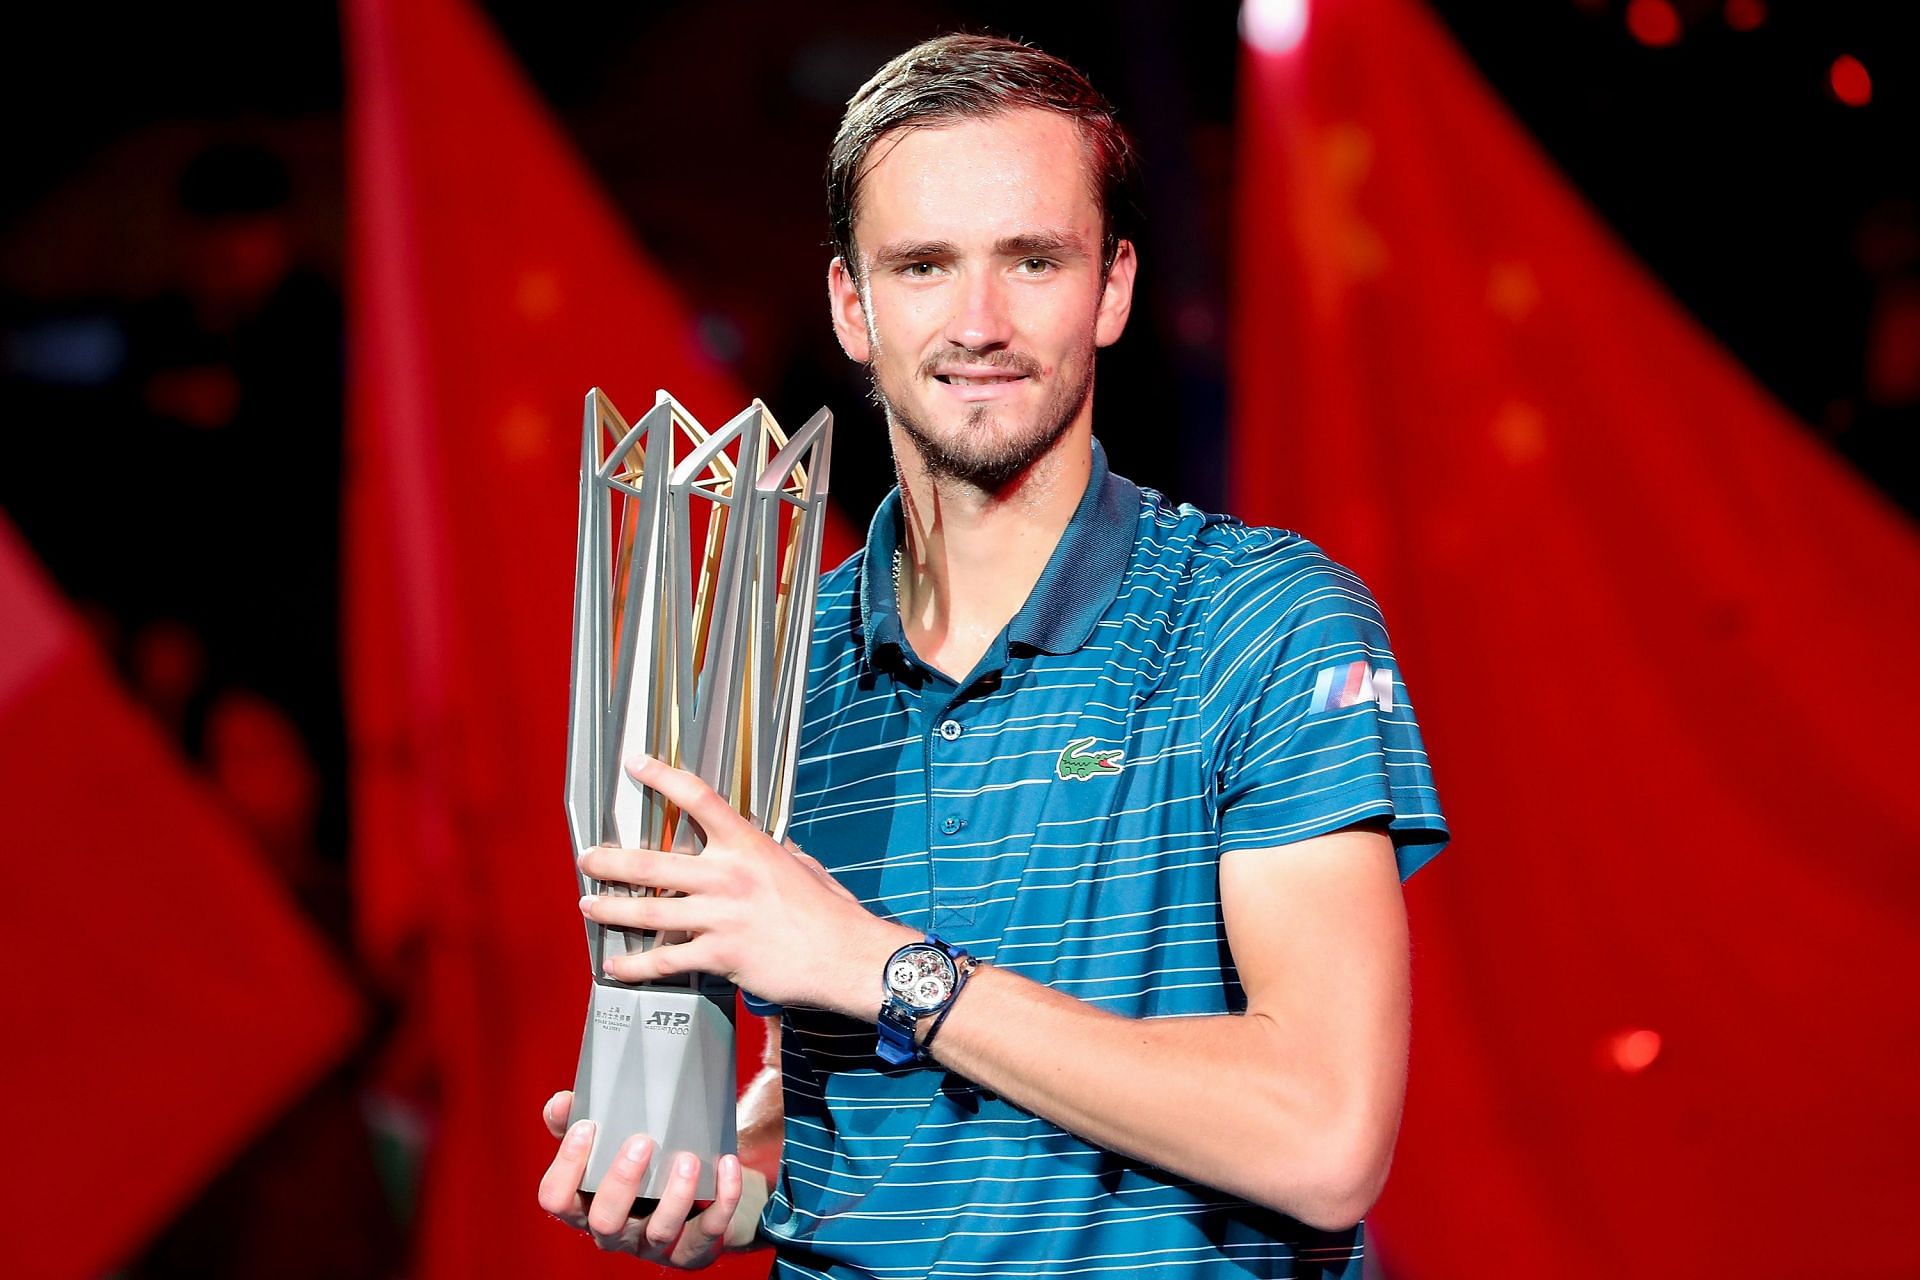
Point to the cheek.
(1059, 330)
(903, 329)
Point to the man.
(1154, 768)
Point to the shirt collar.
(1080, 580)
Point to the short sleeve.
(1311, 727)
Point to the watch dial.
(922, 976)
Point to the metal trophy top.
(691, 626)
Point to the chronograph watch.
(921, 980)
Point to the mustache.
(1017, 362)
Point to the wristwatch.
(921, 978)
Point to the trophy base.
(659, 1062)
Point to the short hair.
(970, 77)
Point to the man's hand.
(768, 919)
(667, 1234)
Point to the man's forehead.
(992, 176)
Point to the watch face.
(922, 976)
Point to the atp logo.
(669, 1021)
(1078, 763)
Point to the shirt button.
(951, 824)
(949, 729)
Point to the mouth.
(979, 380)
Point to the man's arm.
(762, 1111)
(1293, 1105)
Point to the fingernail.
(686, 1166)
(580, 1135)
(638, 761)
(550, 1101)
(586, 904)
(636, 1149)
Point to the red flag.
(493, 285)
(164, 999)
(1654, 632)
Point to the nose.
(981, 319)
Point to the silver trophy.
(695, 653)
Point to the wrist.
(858, 991)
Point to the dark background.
(170, 319)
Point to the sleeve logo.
(1077, 763)
(1349, 684)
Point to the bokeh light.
(1653, 22)
(1274, 26)
(1849, 81)
(1633, 1050)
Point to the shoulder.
(1248, 580)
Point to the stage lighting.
(1274, 26)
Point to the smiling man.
(1102, 965)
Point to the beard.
(975, 452)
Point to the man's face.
(980, 297)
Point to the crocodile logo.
(1077, 763)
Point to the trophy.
(690, 638)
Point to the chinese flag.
(164, 999)
(1657, 636)
(492, 285)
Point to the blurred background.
(1587, 330)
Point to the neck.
(969, 558)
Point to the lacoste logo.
(1077, 763)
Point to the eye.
(1035, 266)
(918, 270)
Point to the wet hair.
(971, 77)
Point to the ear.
(1116, 299)
(849, 313)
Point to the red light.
(1850, 81)
(1633, 1051)
(1653, 22)
(1745, 15)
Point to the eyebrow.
(1032, 244)
(1042, 244)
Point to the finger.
(665, 1223)
(619, 1187)
(560, 1186)
(708, 1231)
(555, 1113)
(646, 868)
(670, 961)
(696, 799)
(684, 914)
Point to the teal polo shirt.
(1177, 685)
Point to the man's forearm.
(1293, 1105)
(1230, 1101)
(762, 1111)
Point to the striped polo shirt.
(1177, 685)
